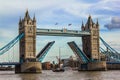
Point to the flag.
(69, 24)
(56, 23)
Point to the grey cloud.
(115, 23)
(115, 20)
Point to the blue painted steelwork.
(113, 62)
(41, 55)
(78, 52)
(9, 63)
(108, 46)
(11, 44)
(111, 53)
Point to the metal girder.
(11, 44)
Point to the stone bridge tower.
(28, 43)
(27, 46)
(91, 45)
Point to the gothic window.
(94, 32)
(29, 38)
(94, 41)
(29, 47)
(30, 54)
(30, 23)
(30, 29)
(95, 48)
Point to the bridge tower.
(27, 45)
(91, 44)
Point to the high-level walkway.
(62, 32)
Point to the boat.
(60, 67)
(58, 70)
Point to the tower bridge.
(90, 39)
(90, 57)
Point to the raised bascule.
(91, 57)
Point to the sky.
(63, 12)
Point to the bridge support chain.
(29, 67)
(93, 66)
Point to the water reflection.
(93, 75)
(28, 76)
(67, 75)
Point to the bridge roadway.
(62, 32)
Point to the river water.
(67, 75)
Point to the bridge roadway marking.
(62, 32)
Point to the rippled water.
(67, 75)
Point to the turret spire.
(27, 15)
(89, 22)
(82, 27)
(82, 23)
(34, 19)
(97, 23)
(90, 19)
(20, 21)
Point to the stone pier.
(93, 66)
(29, 67)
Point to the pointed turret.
(82, 26)
(20, 21)
(90, 20)
(27, 15)
(97, 23)
(34, 19)
(82, 23)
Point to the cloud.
(62, 11)
(115, 23)
(47, 12)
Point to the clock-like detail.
(30, 29)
